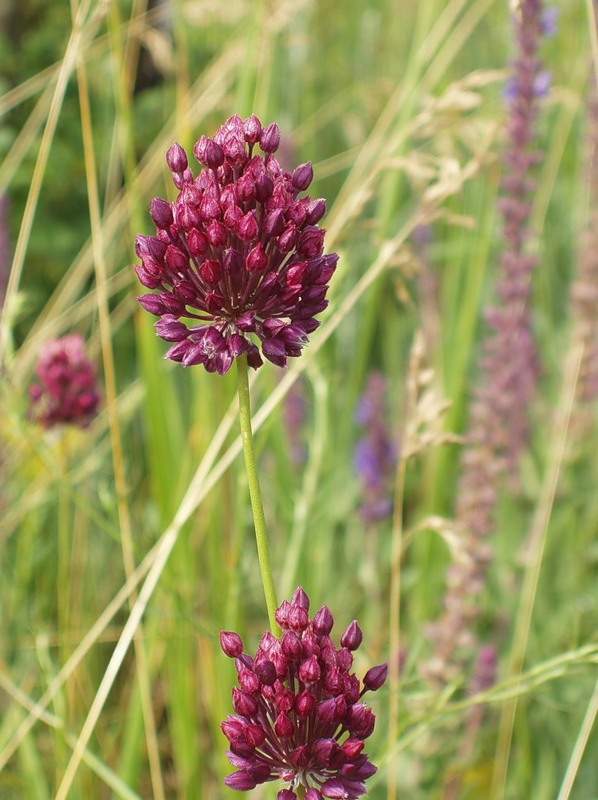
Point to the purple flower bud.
(241, 781)
(352, 637)
(283, 727)
(291, 645)
(325, 750)
(152, 303)
(257, 259)
(302, 176)
(375, 677)
(176, 158)
(315, 211)
(286, 794)
(244, 703)
(252, 129)
(323, 621)
(352, 747)
(300, 757)
(208, 152)
(274, 223)
(360, 721)
(247, 228)
(266, 672)
(300, 598)
(248, 681)
(309, 670)
(297, 618)
(270, 138)
(161, 213)
(331, 710)
(170, 329)
(305, 702)
(335, 790)
(313, 794)
(282, 614)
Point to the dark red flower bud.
(360, 721)
(248, 680)
(375, 677)
(170, 329)
(244, 703)
(211, 271)
(274, 223)
(352, 747)
(323, 620)
(270, 138)
(152, 303)
(352, 637)
(283, 727)
(247, 228)
(266, 672)
(300, 598)
(305, 702)
(315, 211)
(300, 757)
(208, 152)
(176, 159)
(309, 670)
(334, 789)
(298, 619)
(241, 781)
(161, 213)
(291, 643)
(252, 129)
(302, 176)
(257, 259)
(282, 614)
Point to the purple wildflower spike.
(298, 716)
(67, 390)
(498, 415)
(375, 453)
(239, 253)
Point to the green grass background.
(127, 547)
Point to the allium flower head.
(239, 252)
(298, 716)
(67, 390)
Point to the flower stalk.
(255, 493)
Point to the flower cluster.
(298, 715)
(67, 391)
(239, 252)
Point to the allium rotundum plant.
(67, 390)
(298, 716)
(238, 261)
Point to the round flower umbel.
(67, 390)
(239, 253)
(298, 712)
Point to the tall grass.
(125, 547)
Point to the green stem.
(254, 490)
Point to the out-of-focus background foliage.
(401, 108)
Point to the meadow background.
(127, 546)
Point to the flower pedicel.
(238, 252)
(298, 712)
